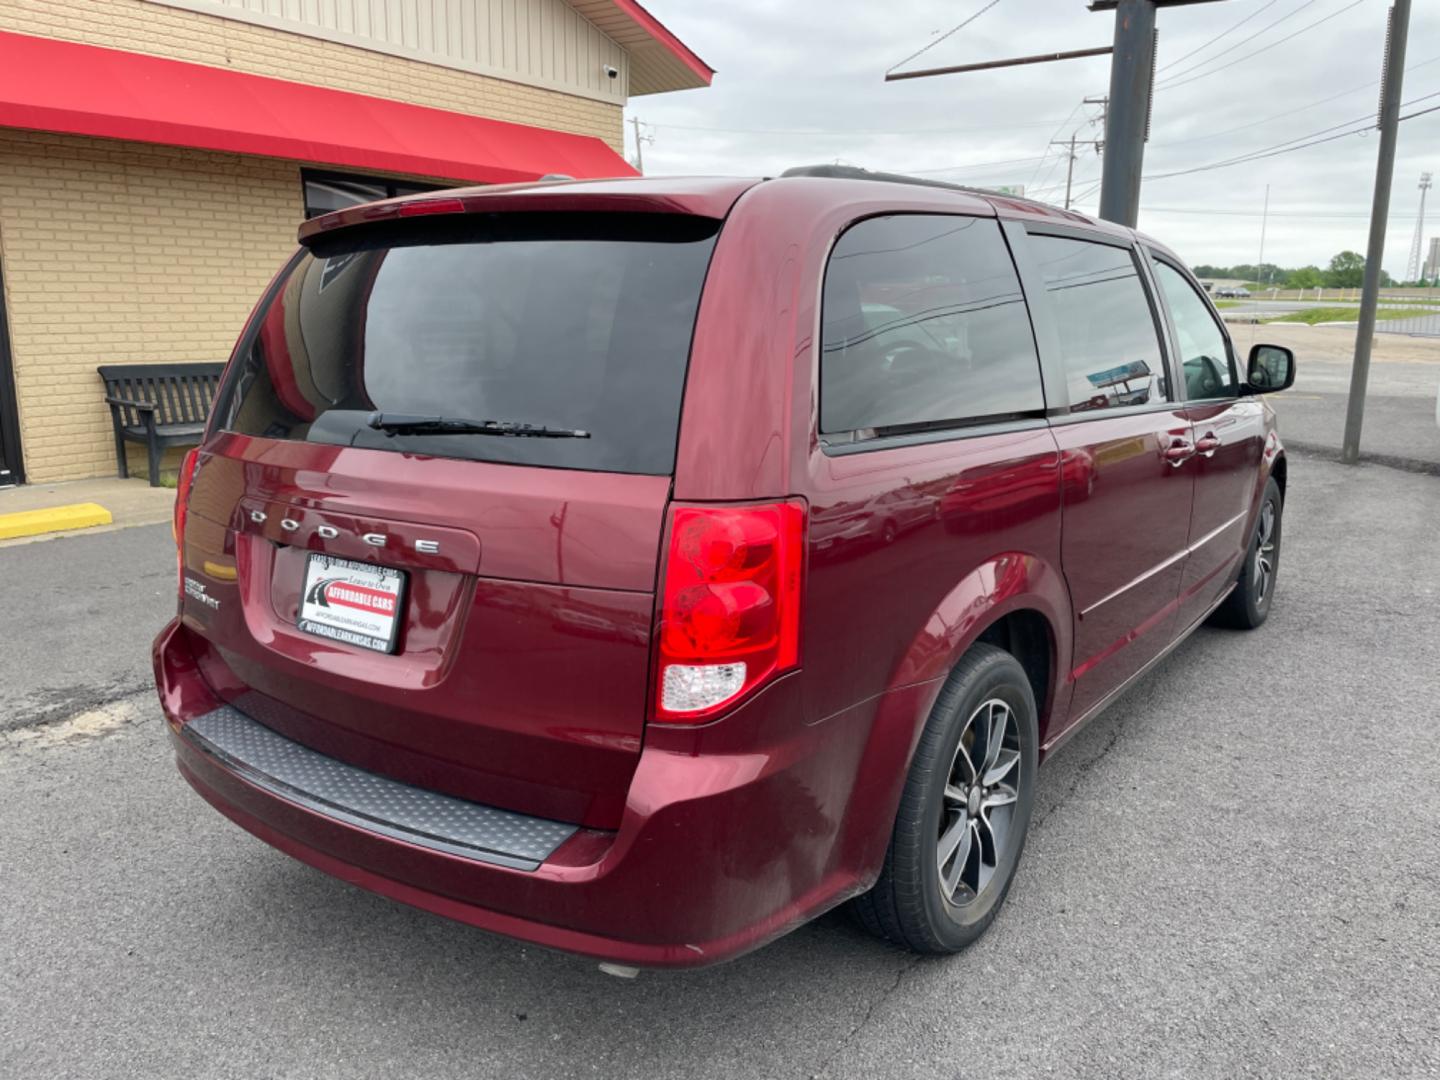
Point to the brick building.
(156, 157)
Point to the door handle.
(1208, 444)
(1179, 451)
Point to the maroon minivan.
(643, 567)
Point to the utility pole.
(1070, 171)
(1071, 143)
(1397, 30)
(639, 141)
(1127, 119)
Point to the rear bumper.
(717, 853)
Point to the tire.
(1248, 604)
(910, 905)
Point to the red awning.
(75, 89)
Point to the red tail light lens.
(729, 616)
(182, 506)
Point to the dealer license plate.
(357, 603)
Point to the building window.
(329, 191)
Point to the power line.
(1258, 33)
(1290, 112)
(1226, 33)
(1263, 48)
(1422, 112)
(948, 33)
(1365, 124)
(1078, 106)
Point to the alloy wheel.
(1263, 571)
(979, 802)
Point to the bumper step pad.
(372, 802)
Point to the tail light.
(729, 615)
(182, 506)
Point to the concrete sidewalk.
(128, 502)
(1399, 429)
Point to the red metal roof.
(75, 89)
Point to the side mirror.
(1271, 368)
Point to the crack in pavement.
(885, 995)
(1081, 772)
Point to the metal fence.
(1392, 308)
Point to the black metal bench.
(160, 405)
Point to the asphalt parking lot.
(1399, 426)
(1235, 871)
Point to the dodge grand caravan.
(641, 568)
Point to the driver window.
(923, 324)
(1204, 354)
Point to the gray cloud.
(801, 82)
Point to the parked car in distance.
(1233, 292)
(641, 568)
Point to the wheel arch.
(1280, 470)
(1016, 601)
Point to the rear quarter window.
(924, 325)
(560, 321)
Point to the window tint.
(924, 324)
(1203, 353)
(1107, 331)
(554, 320)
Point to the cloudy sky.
(800, 81)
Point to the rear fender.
(1014, 581)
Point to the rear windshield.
(576, 324)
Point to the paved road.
(1231, 873)
(77, 611)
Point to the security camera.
(611, 72)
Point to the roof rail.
(855, 172)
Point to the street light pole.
(1264, 220)
(1397, 30)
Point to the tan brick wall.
(119, 252)
(207, 39)
(124, 253)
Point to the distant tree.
(1347, 271)
(1245, 272)
(1205, 270)
(1307, 277)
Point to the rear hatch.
(422, 535)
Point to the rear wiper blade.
(404, 424)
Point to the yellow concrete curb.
(53, 519)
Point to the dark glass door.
(10, 467)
